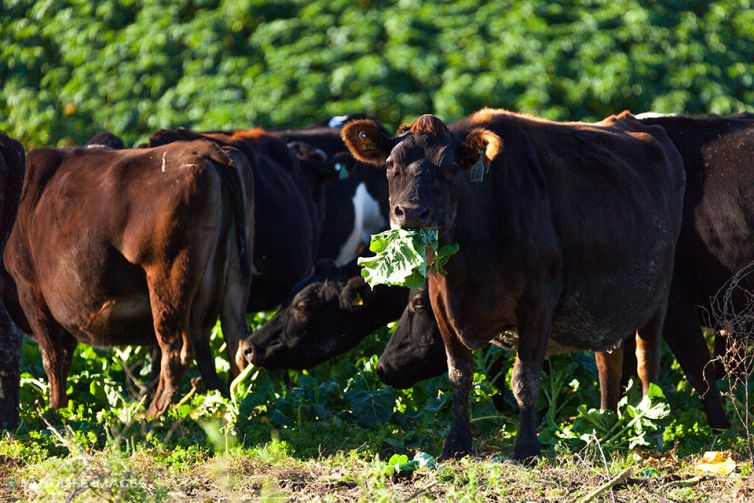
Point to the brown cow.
(116, 247)
(11, 178)
(567, 232)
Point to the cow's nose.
(412, 216)
(380, 371)
(248, 351)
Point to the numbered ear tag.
(366, 143)
(479, 169)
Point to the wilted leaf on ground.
(717, 463)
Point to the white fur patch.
(367, 220)
(652, 115)
(337, 121)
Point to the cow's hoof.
(455, 448)
(716, 417)
(526, 453)
(719, 422)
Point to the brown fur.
(145, 252)
(428, 124)
(253, 134)
(566, 198)
(351, 137)
(482, 139)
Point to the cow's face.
(415, 351)
(422, 166)
(327, 315)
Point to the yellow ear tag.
(357, 300)
(479, 169)
(366, 143)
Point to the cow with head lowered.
(121, 247)
(326, 314)
(567, 232)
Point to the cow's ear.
(479, 143)
(314, 160)
(355, 295)
(366, 141)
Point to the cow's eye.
(419, 304)
(389, 164)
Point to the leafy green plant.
(401, 257)
(632, 426)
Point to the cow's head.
(423, 163)
(314, 162)
(415, 351)
(329, 313)
(105, 139)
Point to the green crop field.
(69, 68)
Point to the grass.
(335, 433)
(271, 473)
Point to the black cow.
(105, 139)
(287, 218)
(356, 204)
(717, 235)
(327, 314)
(570, 238)
(415, 350)
(11, 180)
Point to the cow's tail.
(229, 163)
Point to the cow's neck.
(494, 220)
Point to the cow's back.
(111, 214)
(601, 203)
(717, 235)
(617, 211)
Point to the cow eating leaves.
(569, 237)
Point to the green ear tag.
(342, 170)
(478, 169)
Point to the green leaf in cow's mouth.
(401, 257)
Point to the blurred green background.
(71, 67)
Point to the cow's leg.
(609, 369)
(498, 380)
(10, 352)
(534, 331)
(683, 334)
(461, 375)
(206, 361)
(57, 347)
(55, 344)
(233, 313)
(648, 350)
(170, 294)
(628, 347)
(156, 359)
